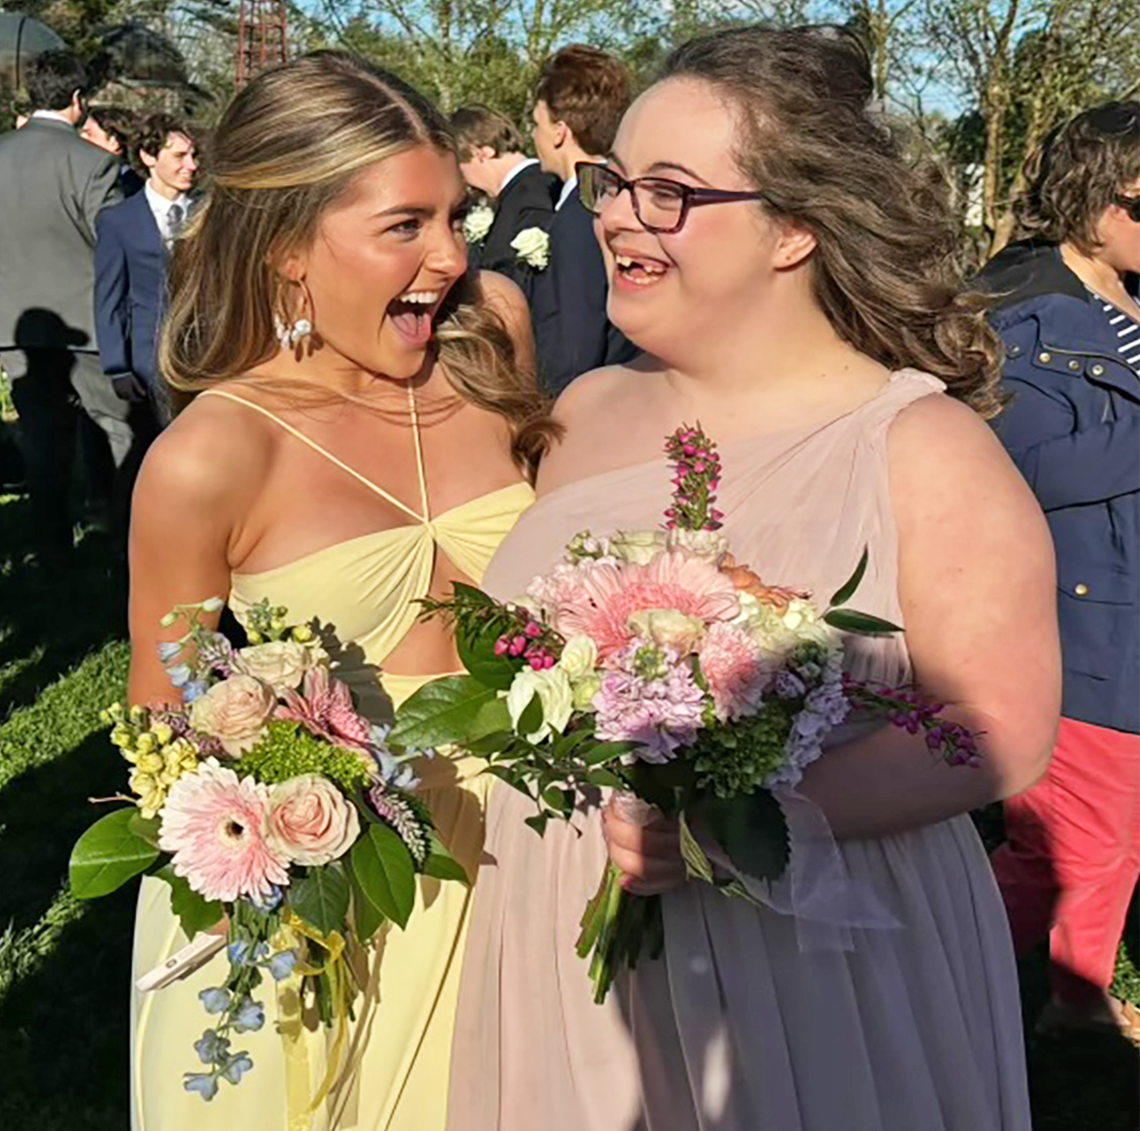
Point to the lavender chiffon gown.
(735, 1028)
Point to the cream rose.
(555, 694)
(234, 711)
(533, 247)
(309, 821)
(478, 223)
(638, 548)
(668, 628)
(708, 544)
(281, 664)
(579, 657)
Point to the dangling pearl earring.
(288, 336)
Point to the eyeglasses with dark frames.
(660, 205)
(1131, 205)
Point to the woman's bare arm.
(193, 492)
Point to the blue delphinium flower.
(167, 650)
(239, 952)
(248, 1017)
(179, 675)
(193, 691)
(237, 1066)
(267, 903)
(281, 965)
(204, 1083)
(212, 1049)
(215, 999)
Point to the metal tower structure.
(262, 39)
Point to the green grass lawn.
(65, 965)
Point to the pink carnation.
(325, 708)
(214, 825)
(734, 670)
(661, 712)
(603, 597)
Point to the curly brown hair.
(288, 147)
(1077, 171)
(886, 269)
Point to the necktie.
(174, 218)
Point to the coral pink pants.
(1072, 859)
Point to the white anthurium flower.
(533, 247)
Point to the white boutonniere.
(478, 223)
(533, 247)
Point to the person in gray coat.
(52, 186)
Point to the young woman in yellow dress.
(358, 423)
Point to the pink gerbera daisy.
(214, 826)
(610, 594)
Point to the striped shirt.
(1125, 328)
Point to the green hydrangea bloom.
(737, 759)
(289, 750)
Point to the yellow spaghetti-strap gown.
(364, 590)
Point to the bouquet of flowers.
(655, 664)
(277, 814)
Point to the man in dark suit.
(53, 185)
(492, 161)
(132, 243)
(581, 96)
(111, 128)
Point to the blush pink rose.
(309, 821)
(235, 712)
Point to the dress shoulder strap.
(321, 451)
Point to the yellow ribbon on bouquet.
(336, 968)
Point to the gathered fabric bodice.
(363, 593)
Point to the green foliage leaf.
(472, 595)
(441, 712)
(539, 822)
(847, 590)
(530, 721)
(441, 865)
(862, 624)
(108, 854)
(195, 912)
(607, 752)
(606, 779)
(145, 828)
(385, 871)
(560, 800)
(367, 918)
(493, 718)
(321, 898)
(696, 862)
(753, 831)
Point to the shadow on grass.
(50, 621)
(50, 799)
(64, 1028)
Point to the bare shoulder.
(938, 436)
(600, 390)
(213, 452)
(504, 297)
(594, 414)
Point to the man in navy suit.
(581, 96)
(492, 162)
(131, 246)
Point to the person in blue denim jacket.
(1065, 307)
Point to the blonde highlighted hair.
(288, 147)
